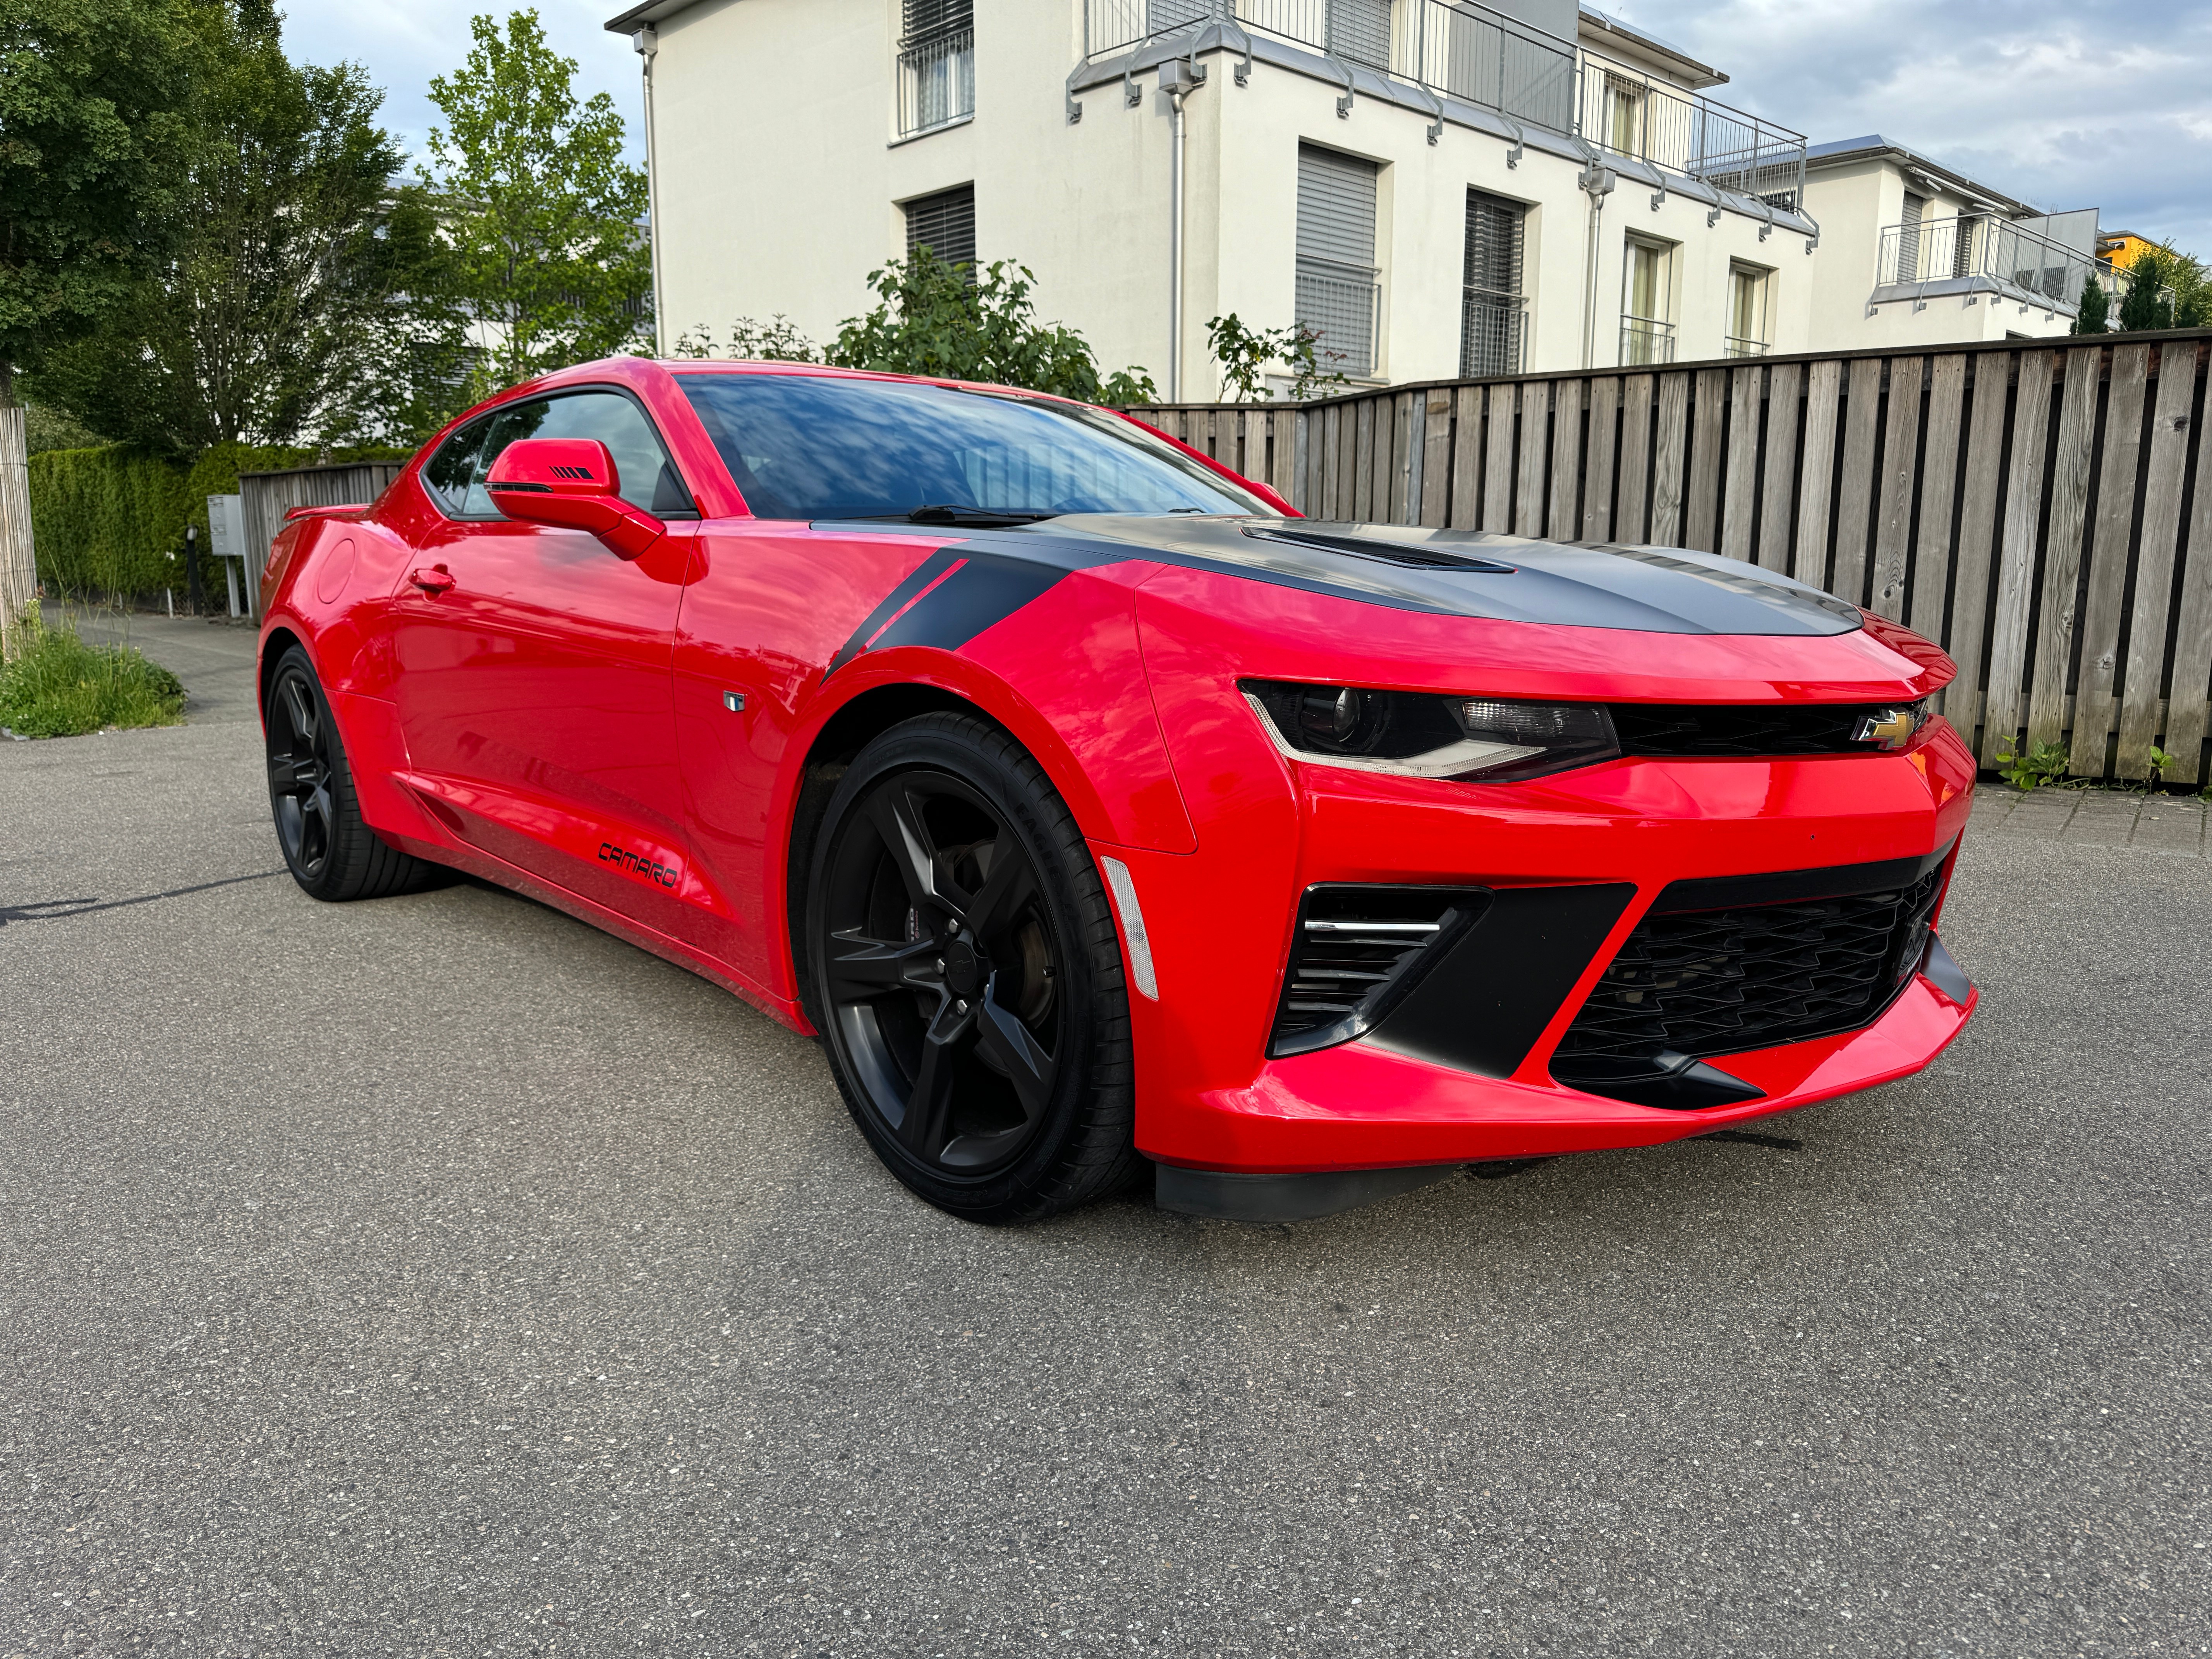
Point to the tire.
(331, 851)
(962, 964)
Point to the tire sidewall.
(962, 747)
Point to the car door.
(533, 665)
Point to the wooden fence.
(2036, 508)
(267, 496)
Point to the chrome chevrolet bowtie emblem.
(1887, 728)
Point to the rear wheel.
(331, 851)
(965, 973)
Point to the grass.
(60, 687)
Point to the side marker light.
(1132, 927)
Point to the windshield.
(812, 447)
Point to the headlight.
(1419, 734)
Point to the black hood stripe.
(959, 591)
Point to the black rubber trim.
(1944, 973)
(1672, 1082)
(1793, 886)
(1226, 1197)
(1483, 1004)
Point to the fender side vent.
(1358, 951)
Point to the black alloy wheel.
(970, 999)
(330, 850)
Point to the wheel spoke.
(906, 838)
(1010, 885)
(862, 967)
(283, 777)
(1002, 1038)
(924, 1128)
(302, 707)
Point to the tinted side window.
(645, 476)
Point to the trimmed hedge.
(112, 520)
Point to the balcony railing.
(937, 83)
(1982, 254)
(1738, 346)
(1465, 50)
(1645, 340)
(1342, 304)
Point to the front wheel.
(964, 971)
(330, 850)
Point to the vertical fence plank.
(1603, 447)
(1360, 485)
(1393, 423)
(1332, 474)
(1285, 429)
(2189, 709)
(1739, 506)
(1497, 462)
(1632, 512)
(1823, 387)
(1535, 430)
(1435, 457)
(2093, 700)
(1701, 525)
(1900, 471)
(1855, 489)
(1961, 700)
(1415, 457)
(1784, 383)
(1670, 460)
(1939, 476)
(1466, 459)
(2161, 524)
(1566, 461)
(2062, 547)
(2014, 577)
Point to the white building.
(1442, 188)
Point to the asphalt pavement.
(437, 1276)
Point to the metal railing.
(1343, 305)
(1988, 252)
(1644, 340)
(1493, 333)
(1465, 50)
(1737, 346)
(937, 83)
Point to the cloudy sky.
(2065, 103)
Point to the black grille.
(1358, 950)
(1725, 729)
(1698, 981)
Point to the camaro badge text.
(653, 870)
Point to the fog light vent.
(1359, 950)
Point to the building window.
(1493, 310)
(1360, 30)
(1623, 118)
(1647, 303)
(1750, 321)
(936, 64)
(1908, 239)
(1962, 245)
(1340, 297)
(945, 224)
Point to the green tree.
(1244, 355)
(2096, 308)
(936, 318)
(544, 215)
(93, 125)
(299, 280)
(2149, 303)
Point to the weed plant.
(60, 687)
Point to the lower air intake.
(1358, 951)
(1723, 966)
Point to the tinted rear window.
(809, 446)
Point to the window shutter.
(946, 222)
(1908, 239)
(933, 19)
(1491, 305)
(1360, 30)
(1165, 15)
(1336, 291)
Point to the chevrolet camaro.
(1105, 818)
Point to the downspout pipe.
(1179, 77)
(1598, 181)
(648, 42)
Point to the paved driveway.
(437, 1276)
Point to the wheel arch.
(280, 638)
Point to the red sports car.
(1103, 817)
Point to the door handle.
(436, 580)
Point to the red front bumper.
(1220, 922)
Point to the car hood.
(1466, 572)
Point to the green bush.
(111, 521)
(60, 687)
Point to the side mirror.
(571, 482)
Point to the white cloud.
(2069, 105)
